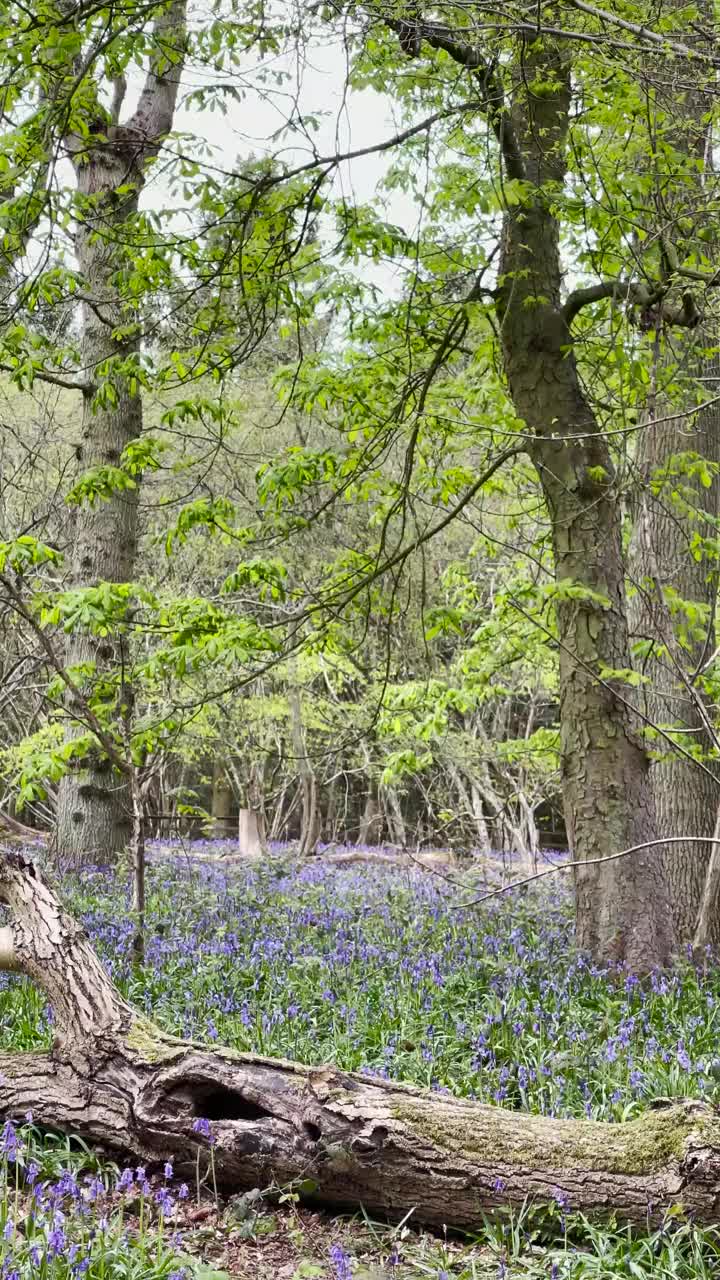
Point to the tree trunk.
(370, 820)
(664, 566)
(471, 806)
(310, 832)
(661, 564)
(249, 843)
(310, 822)
(222, 798)
(256, 802)
(116, 1080)
(706, 927)
(94, 807)
(621, 907)
(137, 853)
(395, 817)
(531, 838)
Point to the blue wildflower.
(341, 1263)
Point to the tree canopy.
(395, 514)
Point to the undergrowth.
(384, 972)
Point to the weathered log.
(17, 828)
(115, 1079)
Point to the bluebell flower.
(683, 1057)
(10, 1143)
(164, 1200)
(56, 1242)
(202, 1126)
(341, 1263)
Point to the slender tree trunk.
(115, 1079)
(137, 851)
(662, 568)
(94, 807)
(331, 811)
(532, 839)
(370, 819)
(256, 801)
(471, 804)
(223, 826)
(278, 826)
(310, 823)
(621, 907)
(706, 926)
(395, 817)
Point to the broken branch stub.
(115, 1079)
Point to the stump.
(249, 842)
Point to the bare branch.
(586, 862)
(441, 37)
(664, 42)
(687, 315)
(119, 85)
(438, 35)
(153, 119)
(619, 290)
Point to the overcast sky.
(316, 87)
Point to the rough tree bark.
(371, 818)
(662, 568)
(310, 822)
(223, 824)
(622, 907)
(395, 819)
(661, 564)
(115, 1079)
(94, 810)
(706, 928)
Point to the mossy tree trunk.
(622, 907)
(94, 808)
(116, 1080)
(674, 578)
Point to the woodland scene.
(359, 655)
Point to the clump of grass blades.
(65, 1214)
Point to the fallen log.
(116, 1080)
(17, 828)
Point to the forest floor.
(386, 969)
